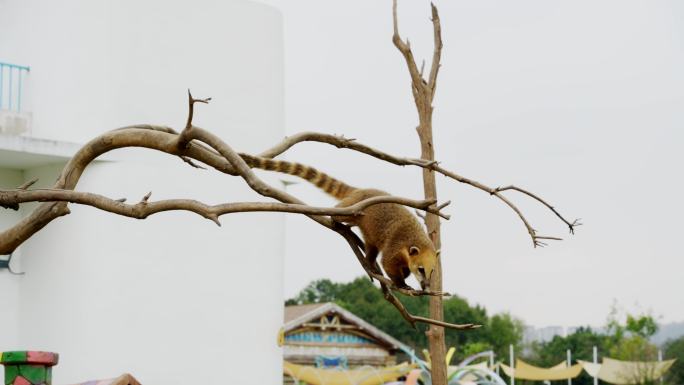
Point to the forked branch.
(12, 198)
(354, 145)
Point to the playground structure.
(485, 372)
(465, 372)
(417, 370)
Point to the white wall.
(96, 65)
(9, 284)
(173, 299)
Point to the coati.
(387, 228)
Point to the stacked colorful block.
(28, 367)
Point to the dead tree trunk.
(435, 333)
(423, 94)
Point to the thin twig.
(571, 225)
(191, 163)
(191, 108)
(436, 56)
(405, 49)
(184, 137)
(28, 184)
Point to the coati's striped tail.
(325, 182)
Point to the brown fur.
(387, 228)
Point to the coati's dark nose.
(421, 270)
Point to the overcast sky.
(579, 101)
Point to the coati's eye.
(413, 251)
(421, 270)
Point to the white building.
(168, 299)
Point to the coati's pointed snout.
(424, 278)
(422, 262)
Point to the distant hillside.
(668, 331)
(665, 332)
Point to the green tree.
(322, 290)
(581, 343)
(363, 299)
(675, 349)
(503, 330)
(630, 342)
(643, 325)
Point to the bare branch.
(146, 197)
(405, 49)
(191, 163)
(341, 142)
(571, 225)
(145, 207)
(412, 319)
(437, 54)
(191, 108)
(14, 205)
(153, 127)
(147, 136)
(28, 184)
(185, 135)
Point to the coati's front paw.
(404, 286)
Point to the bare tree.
(200, 148)
(423, 89)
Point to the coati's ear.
(413, 251)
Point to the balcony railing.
(11, 86)
(13, 120)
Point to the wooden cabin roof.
(297, 315)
